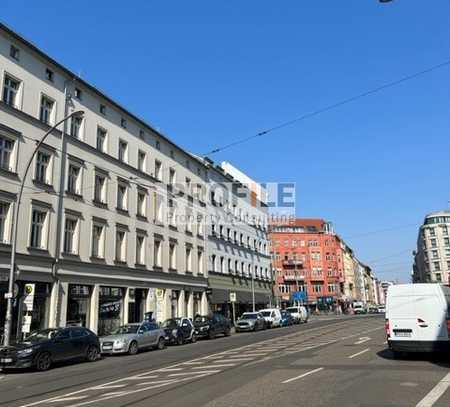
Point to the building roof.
(303, 222)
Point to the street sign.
(299, 296)
(28, 300)
(9, 295)
(232, 297)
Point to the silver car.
(131, 338)
(250, 321)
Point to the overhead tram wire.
(330, 107)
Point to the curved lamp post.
(15, 222)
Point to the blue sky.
(209, 72)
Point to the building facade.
(432, 257)
(308, 263)
(239, 264)
(104, 233)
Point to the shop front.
(78, 305)
(110, 309)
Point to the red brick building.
(307, 263)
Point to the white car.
(418, 317)
(299, 313)
(272, 317)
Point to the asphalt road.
(327, 362)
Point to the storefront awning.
(219, 296)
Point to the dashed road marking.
(362, 340)
(303, 375)
(359, 353)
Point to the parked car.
(211, 326)
(373, 310)
(179, 331)
(250, 321)
(381, 309)
(299, 312)
(418, 318)
(44, 347)
(131, 338)
(286, 318)
(272, 317)
(359, 308)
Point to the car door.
(144, 335)
(62, 347)
(154, 331)
(79, 339)
(185, 328)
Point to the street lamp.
(15, 222)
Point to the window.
(158, 145)
(78, 93)
(38, 229)
(70, 235)
(142, 161)
(43, 170)
(120, 245)
(49, 75)
(4, 221)
(123, 151)
(142, 204)
(446, 241)
(189, 217)
(46, 113)
(331, 288)
(142, 134)
(172, 213)
(11, 91)
(438, 277)
(102, 109)
(98, 240)
(158, 215)
(158, 170)
(140, 249)
(172, 256)
(435, 254)
(123, 123)
(433, 242)
(157, 253)
(101, 139)
(317, 288)
(432, 232)
(200, 229)
(172, 177)
(76, 126)
(229, 266)
(74, 179)
(222, 265)
(122, 196)
(437, 266)
(100, 188)
(14, 52)
(188, 259)
(200, 261)
(214, 262)
(188, 186)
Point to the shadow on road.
(440, 359)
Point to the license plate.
(107, 347)
(6, 360)
(403, 334)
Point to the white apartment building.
(99, 235)
(238, 250)
(432, 258)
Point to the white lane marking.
(213, 366)
(302, 375)
(359, 353)
(159, 381)
(362, 340)
(170, 369)
(194, 374)
(69, 399)
(235, 359)
(436, 393)
(139, 377)
(111, 386)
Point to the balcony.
(295, 277)
(292, 263)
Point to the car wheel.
(194, 338)
(43, 362)
(180, 340)
(161, 344)
(92, 353)
(211, 334)
(133, 348)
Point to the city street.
(329, 361)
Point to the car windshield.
(43, 335)
(168, 323)
(291, 310)
(200, 319)
(265, 313)
(249, 316)
(126, 329)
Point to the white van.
(299, 313)
(418, 317)
(272, 317)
